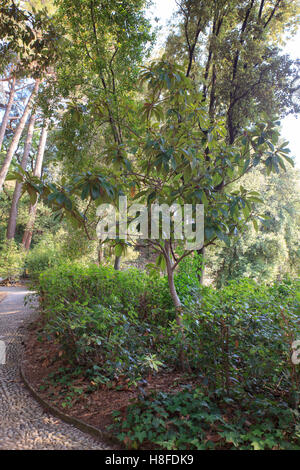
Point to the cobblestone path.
(23, 423)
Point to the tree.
(17, 135)
(12, 222)
(230, 50)
(103, 45)
(167, 161)
(161, 141)
(37, 173)
(27, 40)
(5, 119)
(269, 250)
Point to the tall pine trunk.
(17, 135)
(37, 172)
(12, 223)
(7, 111)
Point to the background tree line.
(70, 104)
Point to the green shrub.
(240, 337)
(104, 342)
(105, 320)
(130, 291)
(44, 254)
(11, 260)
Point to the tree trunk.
(174, 295)
(201, 265)
(178, 307)
(184, 365)
(117, 263)
(27, 237)
(16, 138)
(100, 253)
(7, 111)
(12, 223)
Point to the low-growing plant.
(193, 420)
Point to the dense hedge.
(239, 334)
(105, 320)
(131, 291)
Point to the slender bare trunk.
(201, 265)
(177, 304)
(37, 172)
(7, 111)
(174, 295)
(100, 253)
(41, 150)
(117, 263)
(12, 223)
(178, 307)
(16, 138)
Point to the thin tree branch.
(273, 13)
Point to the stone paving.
(23, 423)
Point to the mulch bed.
(44, 357)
